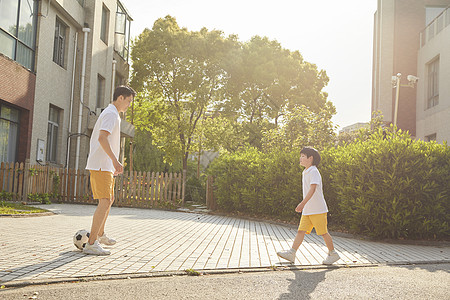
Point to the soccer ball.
(80, 238)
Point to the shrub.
(390, 186)
(37, 197)
(257, 183)
(6, 196)
(385, 185)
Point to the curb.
(27, 215)
(18, 284)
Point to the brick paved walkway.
(40, 248)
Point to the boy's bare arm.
(302, 204)
(103, 140)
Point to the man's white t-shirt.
(315, 205)
(109, 120)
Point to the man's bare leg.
(99, 219)
(101, 231)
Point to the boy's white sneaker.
(331, 258)
(95, 249)
(287, 255)
(106, 240)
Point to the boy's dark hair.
(309, 151)
(123, 90)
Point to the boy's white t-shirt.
(109, 120)
(315, 205)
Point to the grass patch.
(192, 272)
(17, 208)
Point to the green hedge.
(388, 186)
(257, 183)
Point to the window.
(122, 32)
(18, 30)
(431, 137)
(440, 23)
(430, 32)
(52, 133)
(105, 25)
(431, 12)
(9, 133)
(59, 46)
(433, 83)
(447, 17)
(100, 91)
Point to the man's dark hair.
(123, 90)
(309, 151)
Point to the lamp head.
(412, 79)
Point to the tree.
(301, 127)
(178, 75)
(202, 91)
(363, 134)
(147, 157)
(267, 81)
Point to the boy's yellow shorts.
(318, 221)
(102, 184)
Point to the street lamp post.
(412, 80)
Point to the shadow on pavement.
(436, 267)
(303, 285)
(28, 271)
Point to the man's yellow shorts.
(318, 221)
(102, 183)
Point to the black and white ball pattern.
(80, 238)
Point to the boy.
(313, 206)
(103, 165)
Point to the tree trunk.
(185, 158)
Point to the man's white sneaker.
(287, 255)
(95, 249)
(106, 240)
(331, 258)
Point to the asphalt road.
(381, 282)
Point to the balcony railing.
(435, 27)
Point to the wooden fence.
(138, 189)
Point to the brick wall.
(17, 87)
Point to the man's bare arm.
(103, 140)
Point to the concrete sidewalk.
(38, 249)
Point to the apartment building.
(18, 25)
(433, 92)
(80, 53)
(402, 47)
(354, 127)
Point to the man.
(103, 165)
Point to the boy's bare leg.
(328, 241)
(99, 218)
(298, 239)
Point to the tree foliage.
(302, 127)
(200, 90)
(178, 74)
(147, 157)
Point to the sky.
(335, 35)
